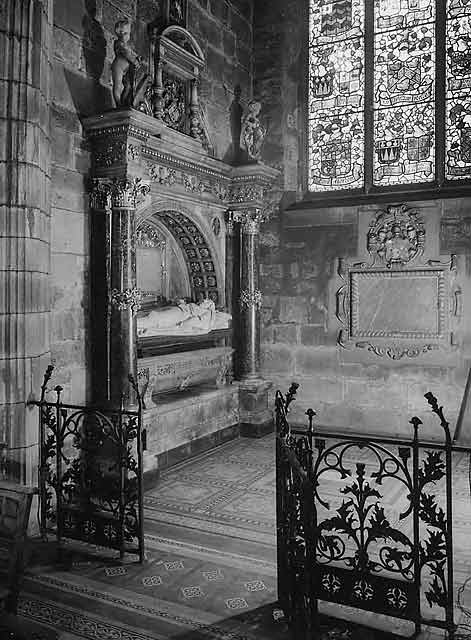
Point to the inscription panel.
(406, 304)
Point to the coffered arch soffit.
(202, 258)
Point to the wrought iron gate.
(90, 473)
(340, 540)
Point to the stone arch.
(202, 259)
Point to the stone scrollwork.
(246, 192)
(193, 184)
(397, 352)
(250, 298)
(127, 299)
(161, 174)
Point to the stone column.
(25, 52)
(248, 205)
(115, 323)
(250, 296)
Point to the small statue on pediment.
(129, 71)
(252, 133)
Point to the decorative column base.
(255, 408)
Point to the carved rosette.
(127, 299)
(250, 298)
(148, 236)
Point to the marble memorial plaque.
(397, 304)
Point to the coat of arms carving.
(396, 236)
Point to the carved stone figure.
(184, 319)
(129, 72)
(252, 133)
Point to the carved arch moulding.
(398, 299)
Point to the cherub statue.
(129, 72)
(252, 133)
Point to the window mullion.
(440, 90)
(369, 94)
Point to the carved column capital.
(250, 219)
(117, 193)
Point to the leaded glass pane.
(336, 89)
(458, 94)
(336, 151)
(404, 87)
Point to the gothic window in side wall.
(381, 111)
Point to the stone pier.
(25, 55)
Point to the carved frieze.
(161, 174)
(396, 236)
(246, 192)
(190, 181)
(111, 146)
(159, 374)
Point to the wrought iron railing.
(364, 522)
(90, 472)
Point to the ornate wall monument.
(399, 298)
(153, 164)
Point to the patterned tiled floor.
(211, 558)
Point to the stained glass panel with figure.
(404, 86)
(336, 88)
(458, 90)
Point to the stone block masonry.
(25, 173)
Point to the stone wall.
(348, 389)
(353, 388)
(25, 50)
(83, 52)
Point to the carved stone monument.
(400, 298)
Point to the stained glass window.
(389, 93)
(458, 89)
(336, 87)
